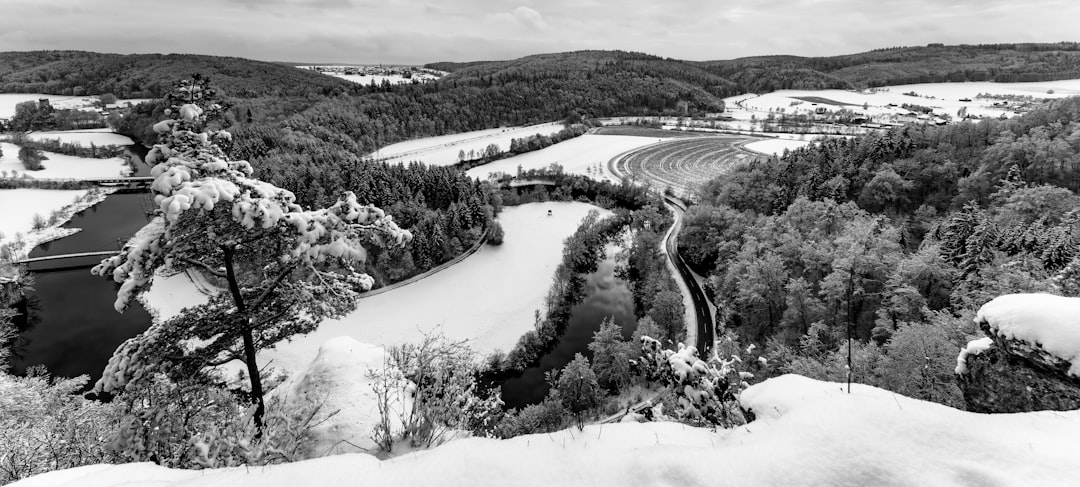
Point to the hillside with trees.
(934, 63)
(80, 73)
(893, 240)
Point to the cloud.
(529, 17)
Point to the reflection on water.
(605, 296)
(70, 324)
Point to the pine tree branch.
(203, 265)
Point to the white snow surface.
(443, 150)
(338, 379)
(20, 205)
(944, 98)
(974, 347)
(84, 137)
(586, 154)
(807, 432)
(1052, 322)
(776, 146)
(488, 298)
(60, 166)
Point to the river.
(69, 324)
(605, 295)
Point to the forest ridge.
(150, 75)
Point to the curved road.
(702, 312)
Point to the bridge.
(101, 253)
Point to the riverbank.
(24, 209)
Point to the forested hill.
(934, 63)
(153, 75)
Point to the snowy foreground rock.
(1030, 359)
(806, 433)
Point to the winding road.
(702, 315)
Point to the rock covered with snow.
(1030, 359)
(340, 377)
(808, 432)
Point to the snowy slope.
(338, 379)
(807, 433)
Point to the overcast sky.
(421, 31)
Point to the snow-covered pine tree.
(286, 268)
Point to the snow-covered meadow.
(488, 298)
(944, 98)
(806, 432)
(84, 137)
(60, 166)
(776, 146)
(20, 206)
(443, 150)
(586, 154)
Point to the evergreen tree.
(285, 268)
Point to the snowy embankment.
(444, 150)
(84, 138)
(489, 298)
(806, 433)
(59, 166)
(586, 154)
(20, 206)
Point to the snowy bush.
(207, 427)
(45, 425)
(445, 395)
(705, 391)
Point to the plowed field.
(683, 164)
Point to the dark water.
(70, 325)
(605, 296)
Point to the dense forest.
(934, 63)
(894, 239)
(80, 73)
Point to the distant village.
(408, 73)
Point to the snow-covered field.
(444, 149)
(806, 433)
(489, 298)
(20, 205)
(59, 166)
(9, 100)
(776, 146)
(84, 137)
(944, 98)
(394, 79)
(587, 154)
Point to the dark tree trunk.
(249, 341)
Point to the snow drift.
(807, 432)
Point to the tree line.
(893, 239)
